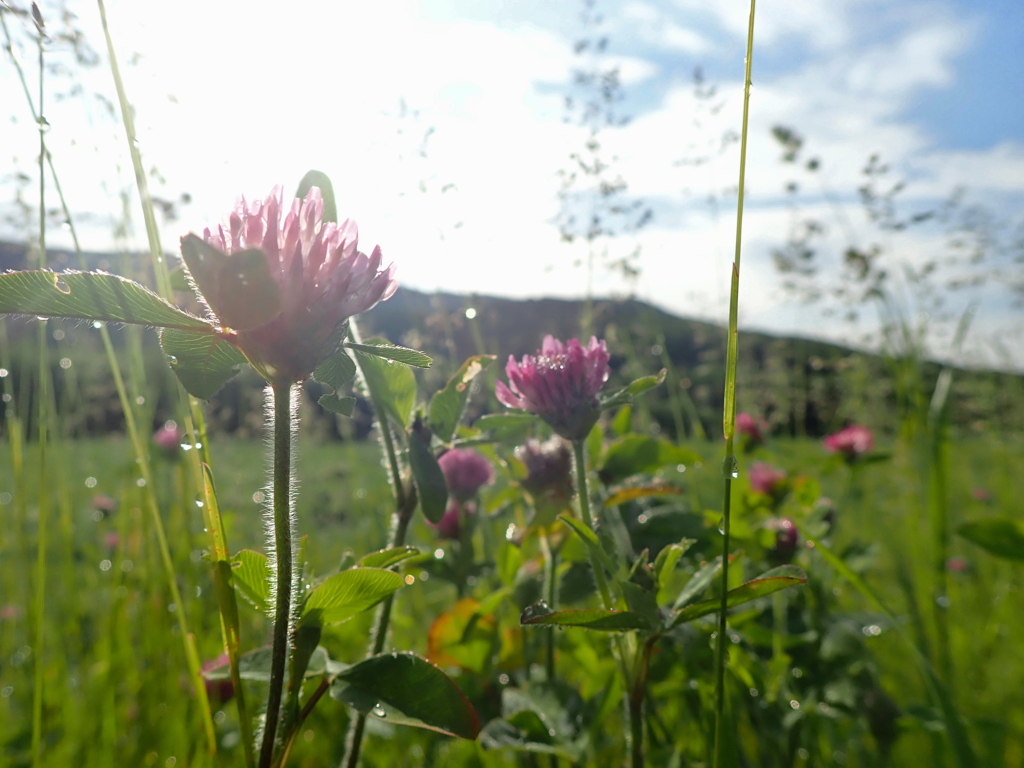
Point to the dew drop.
(61, 286)
(730, 467)
(378, 711)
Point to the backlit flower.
(560, 384)
(465, 471)
(322, 279)
(852, 442)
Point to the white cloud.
(259, 102)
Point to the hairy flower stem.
(634, 713)
(283, 423)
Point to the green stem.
(227, 604)
(551, 596)
(405, 505)
(729, 409)
(281, 409)
(720, 646)
(43, 415)
(588, 516)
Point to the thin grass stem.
(729, 466)
(42, 416)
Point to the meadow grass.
(114, 675)
(107, 601)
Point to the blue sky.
(233, 97)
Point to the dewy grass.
(730, 467)
(194, 424)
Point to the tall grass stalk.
(42, 417)
(194, 425)
(730, 466)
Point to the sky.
(443, 126)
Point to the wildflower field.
(242, 526)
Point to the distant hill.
(800, 386)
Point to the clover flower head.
(750, 428)
(450, 524)
(465, 471)
(766, 479)
(852, 442)
(321, 280)
(168, 438)
(548, 478)
(560, 384)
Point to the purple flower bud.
(766, 479)
(322, 279)
(218, 690)
(750, 429)
(852, 442)
(560, 384)
(957, 565)
(450, 524)
(103, 503)
(168, 438)
(466, 472)
(548, 473)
